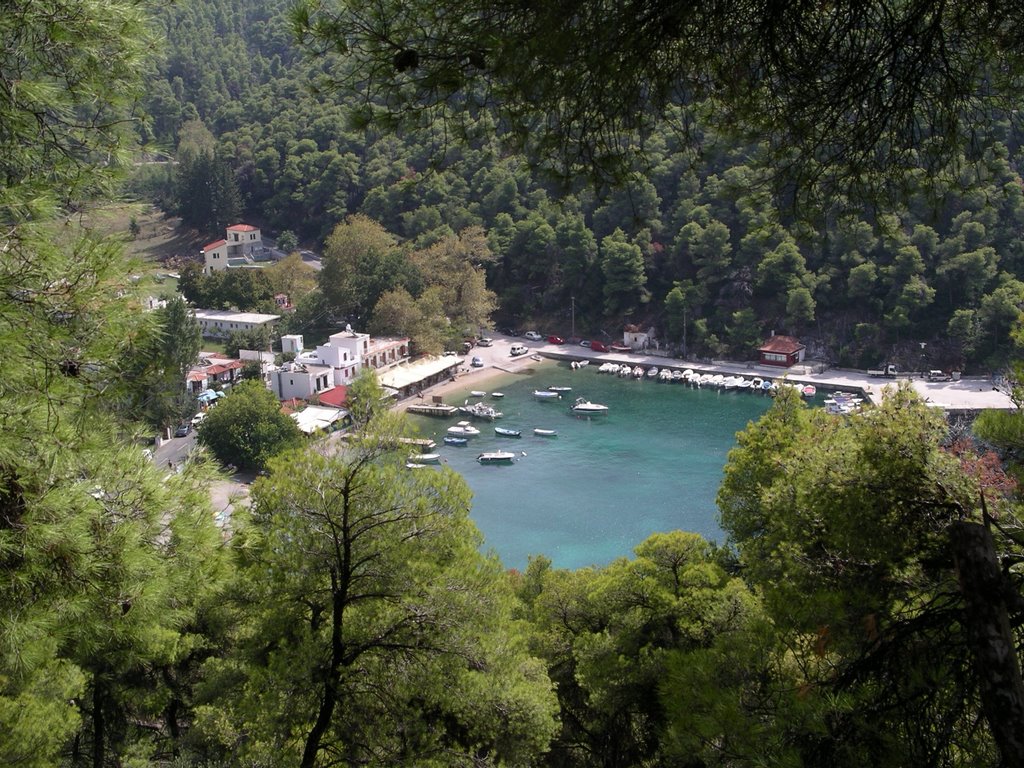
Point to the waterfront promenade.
(969, 394)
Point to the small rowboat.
(545, 432)
(506, 432)
(452, 440)
(425, 458)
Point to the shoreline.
(475, 378)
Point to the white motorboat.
(587, 408)
(546, 394)
(497, 395)
(545, 432)
(559, 389)
(463, 429)
(481, 411)
(496, 457)
(638, 372)
(477, 393)
(625, 370)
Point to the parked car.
(450, 353)
(556, 340)
(939, 376)
(183, 429)
(584, 343)
(485, 342)
(476, 362)
(198, 419)
(598, 346)
(533, 336)
(518, 349)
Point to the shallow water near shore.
(604, 484)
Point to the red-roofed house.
(782, 351)
(213, 370)
(241, 241)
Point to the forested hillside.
(702, 237)
(866, 610)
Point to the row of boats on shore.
(700, 379)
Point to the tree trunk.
(989, 637)
(98, 726)
(330, 693)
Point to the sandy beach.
(497, 364)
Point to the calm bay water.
(604, 484)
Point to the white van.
(518, 349)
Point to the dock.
(431, 409)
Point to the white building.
(241, 243)
(299, 380)
(221, 322)
(348, 352)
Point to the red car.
(556, 340)
(598, 346)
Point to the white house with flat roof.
(219, 323)
(239, 247)
(348, 352)
(301, 381)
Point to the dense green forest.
(866, 608)
(703, 236)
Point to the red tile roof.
(242, 228)
(214, 244)
(335, 396)
(222, 367)
(782, 345)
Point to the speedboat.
(638, 372)
(477, 393)
(455, 440)
(544, 394)
(497, 395)
(506, 432)
(496, 457)
(545, 432)
(588, 408)
(479, 410)
(463, 429)
(677, 376)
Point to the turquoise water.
(652, 463)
